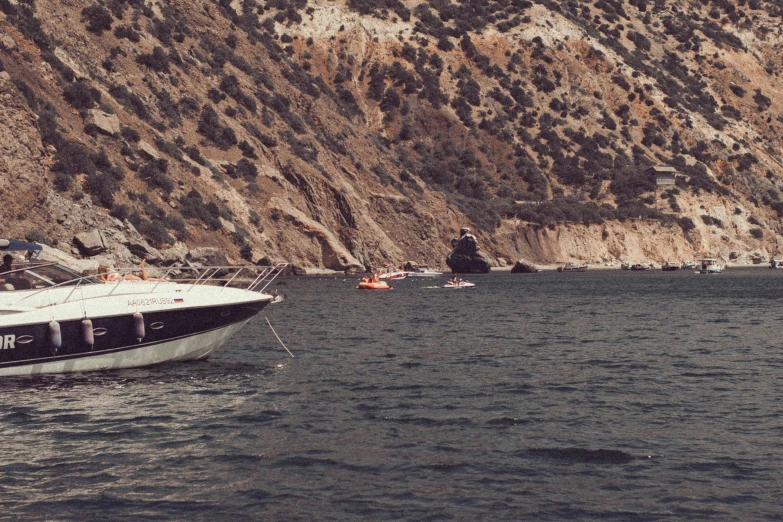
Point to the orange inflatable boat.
(368, 284)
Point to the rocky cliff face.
(339, 134)
(23, 165)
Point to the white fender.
(55, 335)
(138, 326)
(87, 332)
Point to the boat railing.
(248, 278)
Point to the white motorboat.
(423, 271)
(709, 265)
(389, 272)
(54, 320)
(572, 267)
(670, 266)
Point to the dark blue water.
(580, 396)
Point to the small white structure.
(665, 176)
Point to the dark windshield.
(42, 276)
(56, 274)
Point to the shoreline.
(309, 272)
(553, 268)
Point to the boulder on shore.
(523, 267)
(466, 257)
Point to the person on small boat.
(455, 280)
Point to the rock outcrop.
(107, 123)
(466, 257)
(523, 267)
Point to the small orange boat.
(383, 285)
(373, 283)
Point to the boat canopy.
(13, 245)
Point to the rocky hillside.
(351, 133)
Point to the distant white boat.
(572, 267)
(670, 266)
(423, 271)
(688, 264)
(709, 265)
(389, 272)
(458, 283)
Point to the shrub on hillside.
(71, 159)
(177, 225)
(158, 60)
(709, 220)
(209, 126)
(630, 183)
(120, 211)
(81, 96)
(153, 231)
(154, 174)
(737, 90)
(129, 134)
(698, 179)
(130, 101)
(127, 32)
(247, 149)
(193, 207)
(246, 169)
(762, 102)
(189, 106)
(265, 139)
(102, 186)
(686, 224)
(98, 19)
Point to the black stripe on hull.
(120, 333)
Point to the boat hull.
(393, 275)
(181, 335)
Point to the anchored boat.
(456, 282)
(55, 320)
(423, 271)
(709, 265)
(670, 266)
(572, 267)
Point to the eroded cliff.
(339, 134)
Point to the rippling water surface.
(596, 395)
